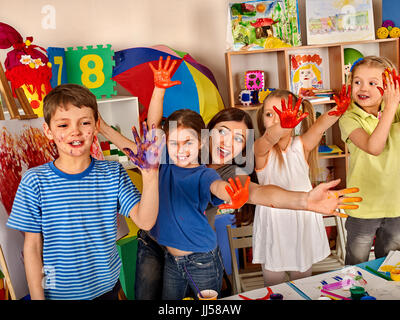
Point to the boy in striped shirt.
(68, 208)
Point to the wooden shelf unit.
(276, 66)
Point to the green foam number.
(92, 68)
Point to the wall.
(194, 26)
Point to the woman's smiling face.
(228, 139)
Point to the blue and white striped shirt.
(76, 215)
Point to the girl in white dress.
(289, 240)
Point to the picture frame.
(330, 21)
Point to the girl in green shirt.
(371, 129)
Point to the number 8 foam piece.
(92, 68)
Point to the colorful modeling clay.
(239, 194)
(262, 298)
(342, 102)
(162, 75)
(289, 115)
(147, 154)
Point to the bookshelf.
(276, 66)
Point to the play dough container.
(208, 295)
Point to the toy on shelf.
(27, 67)
(350, 56)
(388, 29)
(254, 80)
(254, 92)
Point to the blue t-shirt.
(76, 214)
(184, 196)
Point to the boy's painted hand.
(162, 75)
(148, 153)
(342, 102)
(239, 194)
(289, 116)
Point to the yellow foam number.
(59, 60)
(92, 71)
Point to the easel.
(6, 92)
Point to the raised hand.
(342, 102)
(148, 153)
(289, 116)
(162, 75)
(322, 199)
(239, 194)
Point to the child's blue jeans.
(360, 237)
(205, 269)
(149, 268)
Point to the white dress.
(288, 240)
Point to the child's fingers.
(152, 67)
(174, 83)
(279, 112)
(160, 63)
(381, 91)
(283, 104)
(136, 135)
(247, 183)
(290, 102)
(230, 192)
(172, 66)
(238, 183)
(298, 104)
(348, 206)
(346, 191)
(233, 185)
(301, 118)
(350, 199)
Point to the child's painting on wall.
(255, 25)
(331, 21)
(306, 74)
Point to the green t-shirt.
(378, 177)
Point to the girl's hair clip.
(354, 63)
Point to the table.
(309, 288)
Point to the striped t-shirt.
(76, 215)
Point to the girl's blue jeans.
(183, 274)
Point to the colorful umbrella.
(198, 91)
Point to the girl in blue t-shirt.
(150, 260)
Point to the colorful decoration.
(198, 90)
(290, 116)
(27, 66)
(342, 102)
(262, 94)
(254, 80)
(245, 97)
(92, 68)
(388, 29)
(264, 24)
(58, 66)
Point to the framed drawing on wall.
(332, 21)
